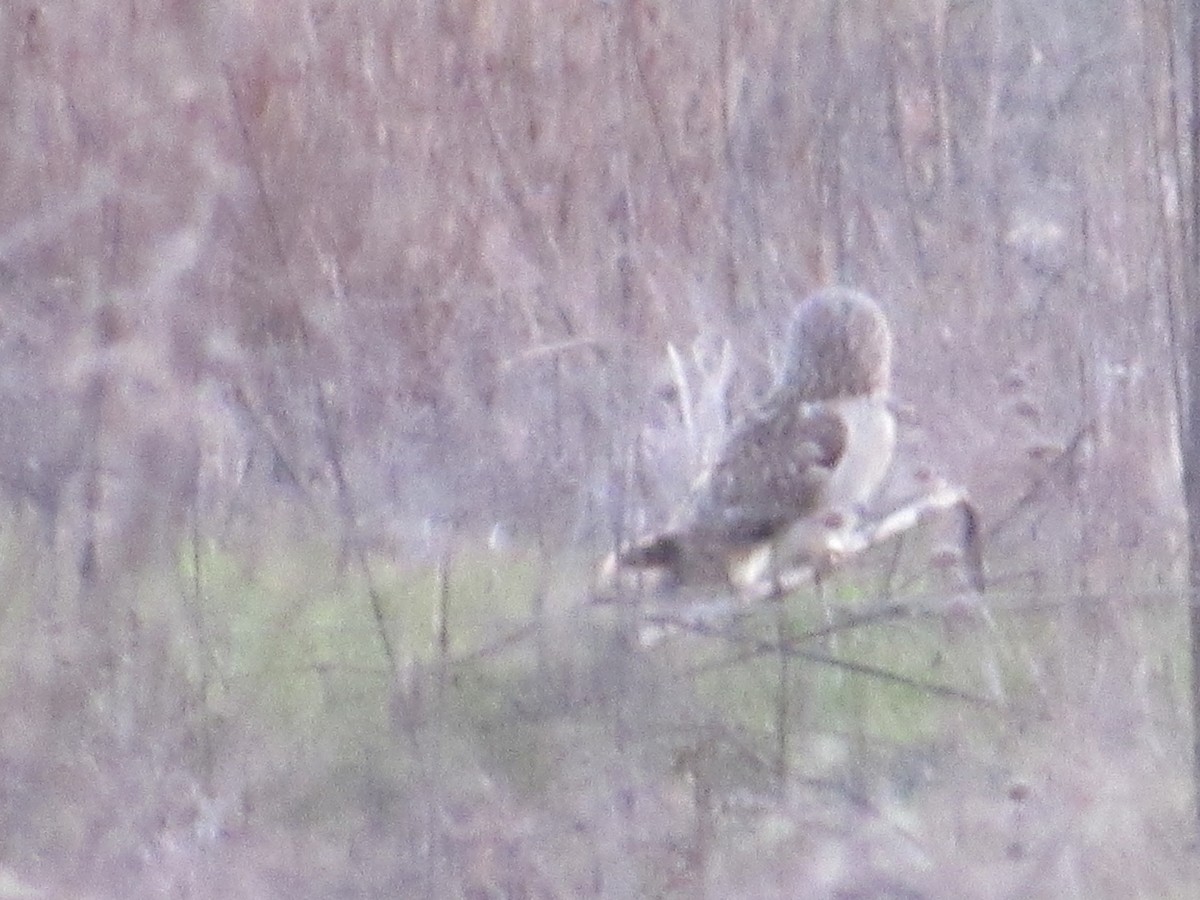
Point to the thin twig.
(333, 454)
(755, 647)
(1035, 488)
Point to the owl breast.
(870, 441)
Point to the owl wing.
(773, 471)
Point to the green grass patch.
(294, 644)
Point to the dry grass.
(304, 304)
(935, 754)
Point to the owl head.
(839, 344)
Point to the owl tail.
(655, 557)
(662, 551)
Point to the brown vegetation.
(326, 286)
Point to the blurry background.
(334, 347)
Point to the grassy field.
(250, 740)
(278, 281)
